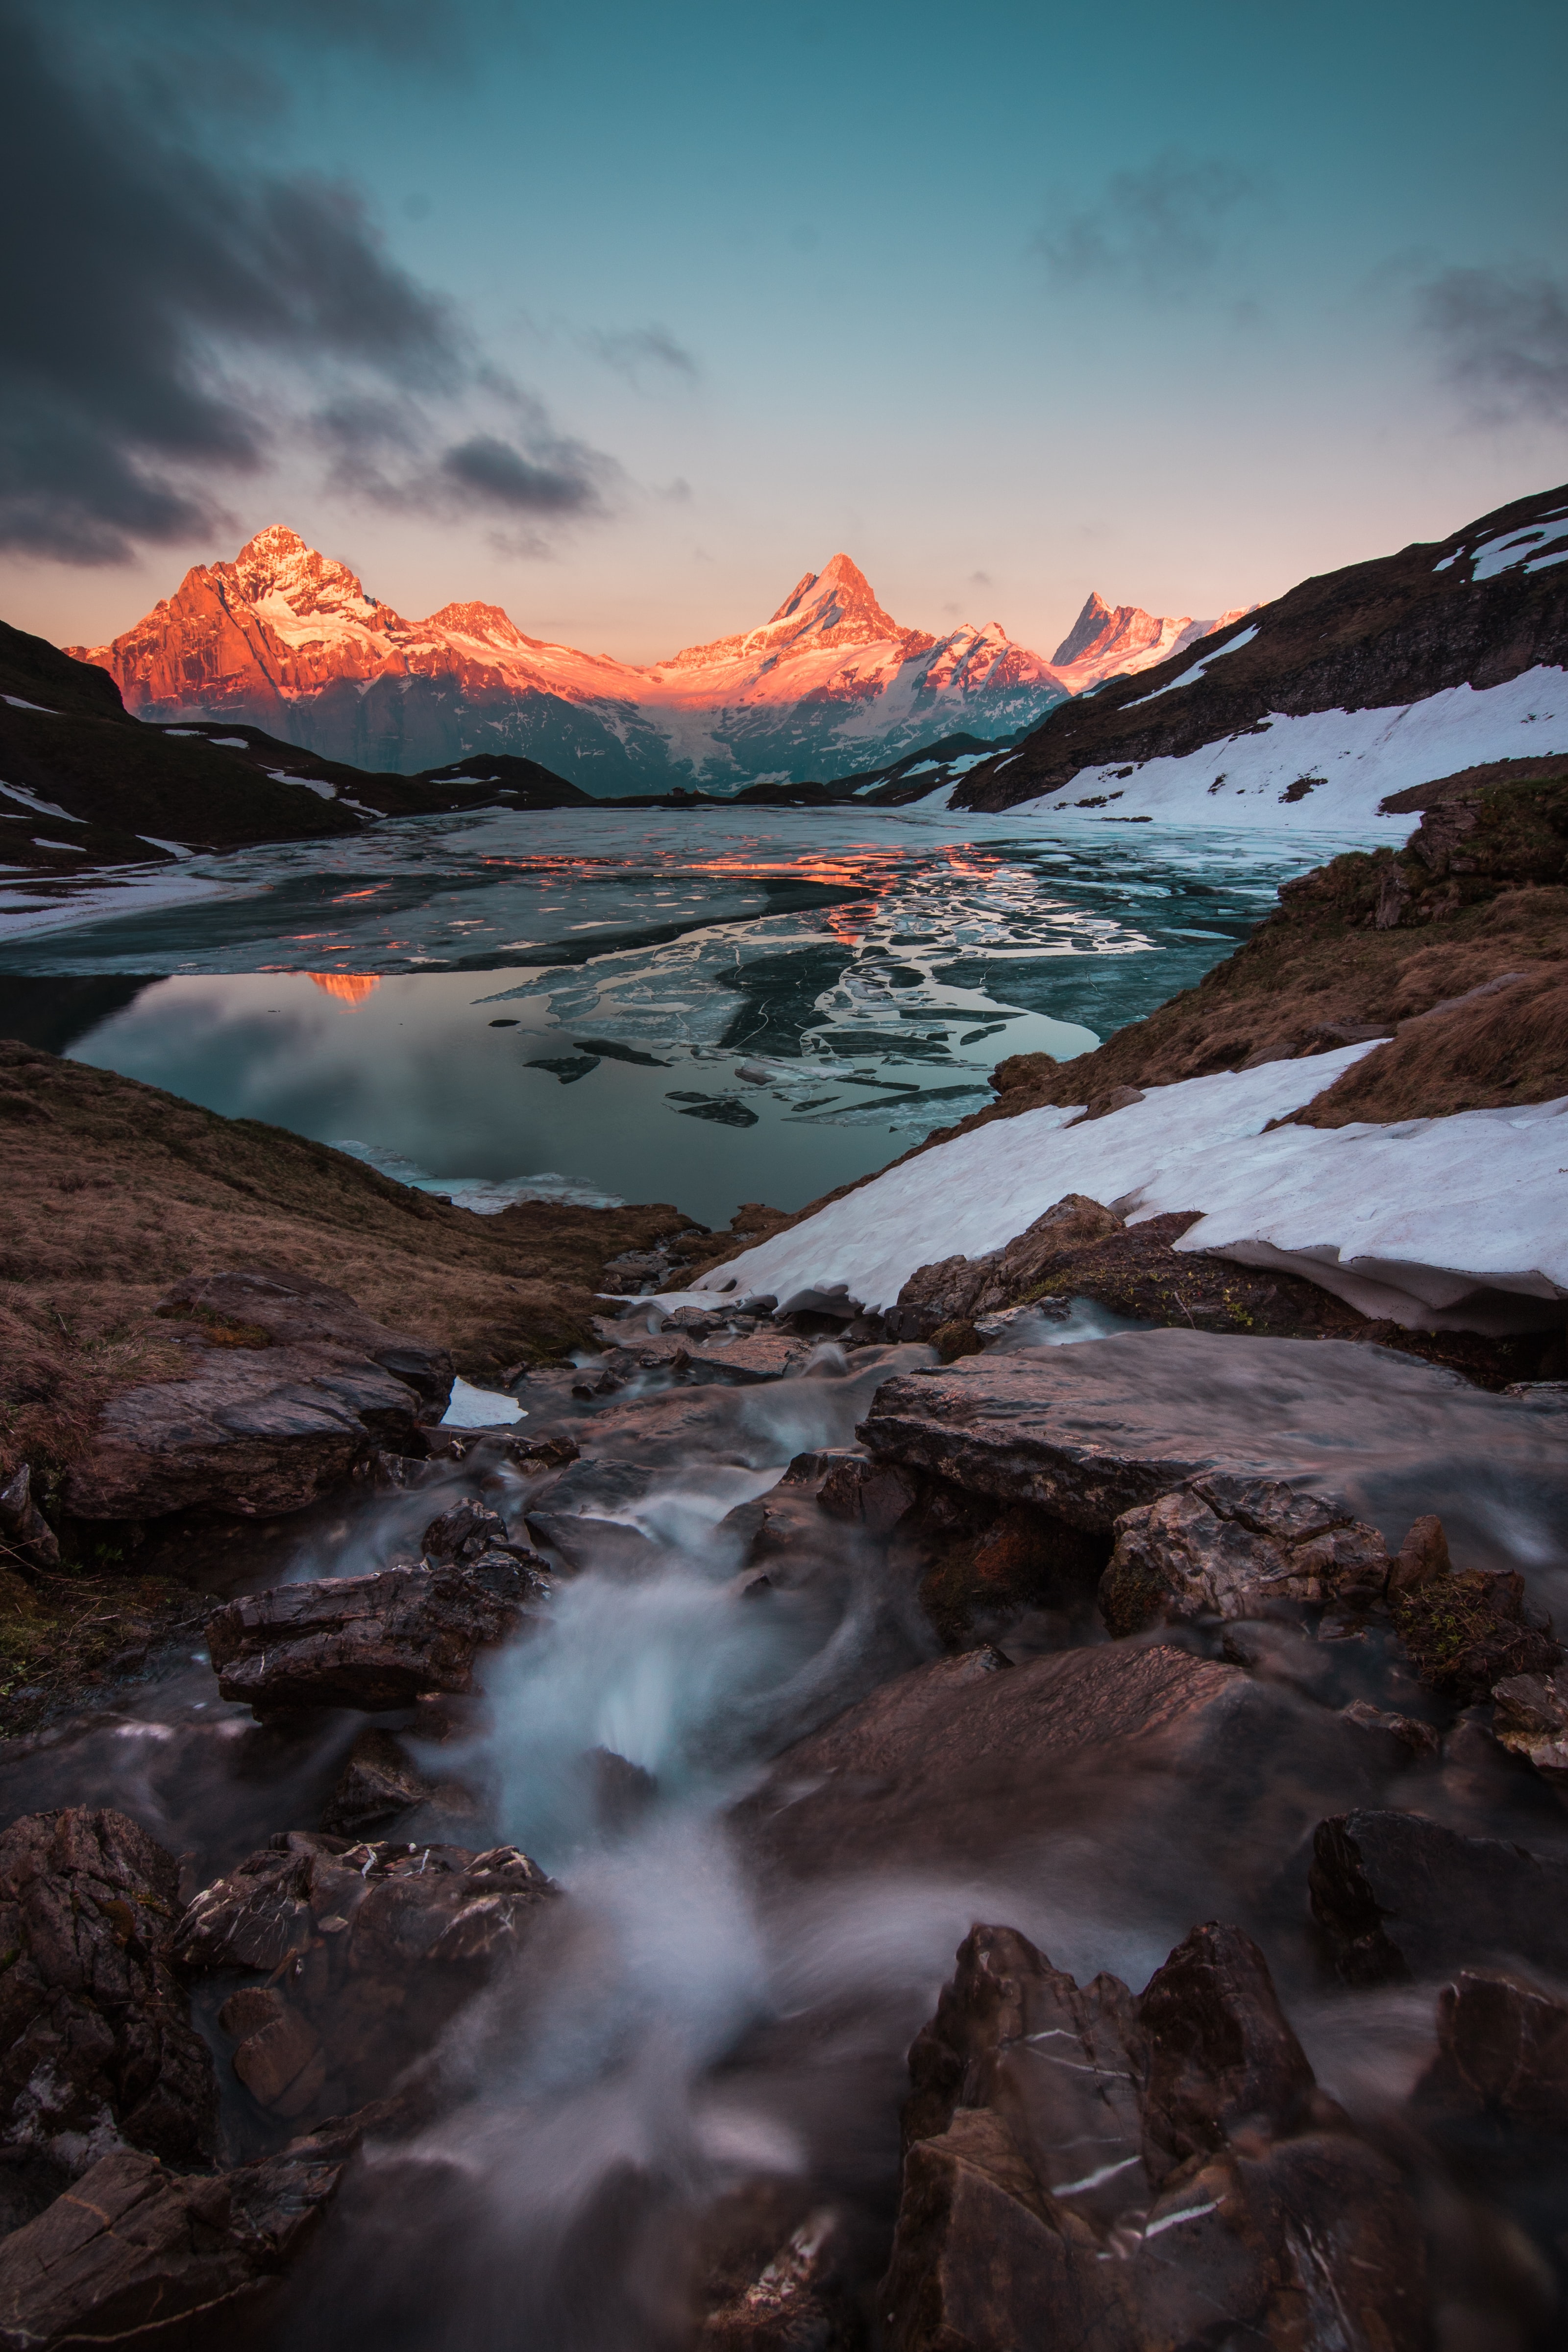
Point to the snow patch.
(472, 1408)
(1191, 677)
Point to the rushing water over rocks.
(773, 1808)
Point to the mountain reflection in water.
(703, 1008)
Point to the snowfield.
(1455, 1224)
(1349, 760)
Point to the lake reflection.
(697, 1008)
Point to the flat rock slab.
(372, 1641)
(1181, 1776)
(1092, 1431)
(291, 1386)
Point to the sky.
(624, 317)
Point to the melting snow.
(1191, 677)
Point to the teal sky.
(1009, 302)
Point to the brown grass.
(112, 1190)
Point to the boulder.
(373, 1642)
(96, 2041)
(1502, 2055)
(956, 1290)
(465, 1530)
(796, 2303)
(289, 1389)
(1532, 1721)
(371, 1949)
(135, 2250)
(1106, 1426)
(1229, 1546)
(22, 1527)
(1398, 1896)
(1085, 2166)
(377, 1784)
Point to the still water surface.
(704, 1008)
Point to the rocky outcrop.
(1398, 1896)
(1229, 1546)
(1466, 1632)
(1084, 2167)
(373, 1642)
(369, 1950)
(97, 2048)
(958, 1289)
(1532, 1721)
(291, 1387)
(136, 2253)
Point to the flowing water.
(696, 2017)
(705, 1008)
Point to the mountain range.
(288, 640)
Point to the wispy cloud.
(1160, 230)
(641, 354)
(1503, 335)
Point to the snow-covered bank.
(1328, 767)
(1458, 1222)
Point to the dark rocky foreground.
(798, 1843)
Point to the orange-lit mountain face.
(288, 639)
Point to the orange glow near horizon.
(351, 988)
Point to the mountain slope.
(1311, 710)
(286, 639)
(86, 784)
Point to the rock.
(1466, 1633)
(1091, 1431)
(377, 1783)
(463, 1531)
(1423, 1557)
(1502, 2052)
(956, 1339)
(796, 2303)
(96, 2041)
(291, 1387)
(621, 1791)
(1084, 2167)
(1111, 1098)
(863, 1493)
(1162, 1765)
(1416, 1741)
(134, 2250)
(372, 1641)
(1229, 1546)
(1532, 1721)
(375, 1948)
(956, 1290)
(1398, 1896)
(22, 1527)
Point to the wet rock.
(1398, 1896)
(134, 2250)
(582, 1515)
(372, 1641)
(1229, 1546)
(374, 1948)
(982, 1579)
(1423, 1557)
(463, 1532)
(1414, 1742)
(1091, 1431)
(1466, 1632)
(1532, 1721)
(96, 2041)
(377, 1784)
(1502, 2054)
(956, 1290)
(966, 1758)
(866, 1494)
(621, 1791)
(1085, 2166)
(291, 1387)
(956, 1339)
(535, 1457)
(22, 1527)
(797, 2301)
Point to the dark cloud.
(1161, 229)
(1504, 337)
(638, 352)
(491, 473)
(170, 322)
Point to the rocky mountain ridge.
(287, 639)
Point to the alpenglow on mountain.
(288, 639)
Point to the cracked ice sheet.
(1459, 1222)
